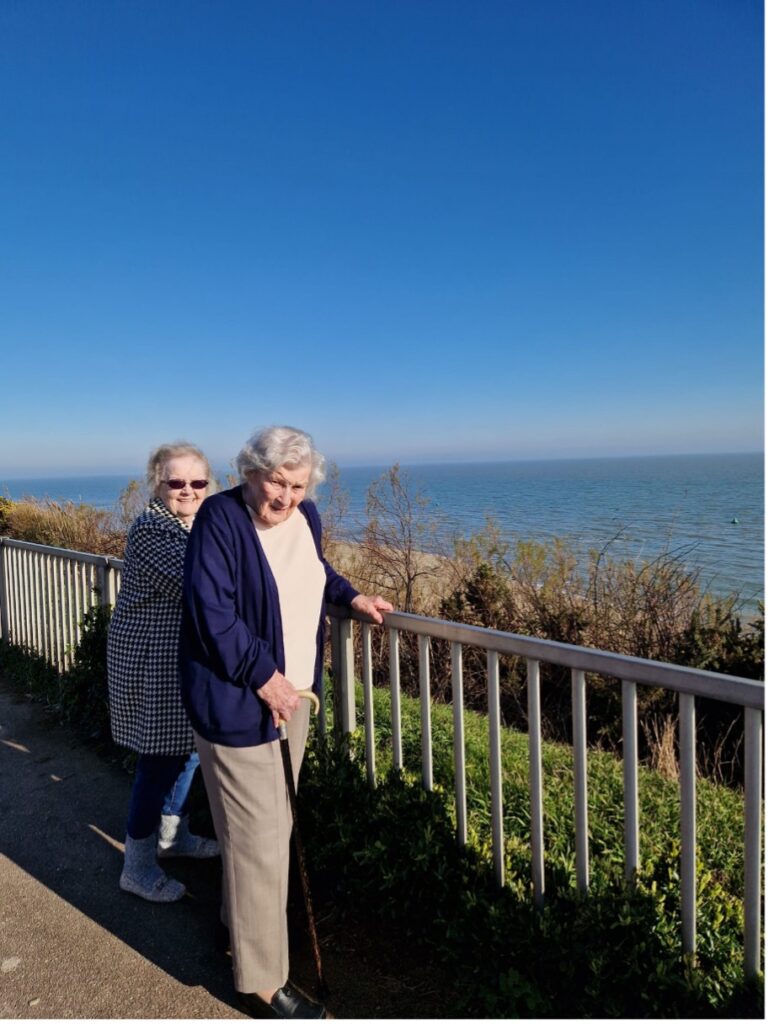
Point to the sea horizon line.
(13, 475)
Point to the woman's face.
(274, 496)
(183, 501)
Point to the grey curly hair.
(272, 447)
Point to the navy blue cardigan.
(232, 635)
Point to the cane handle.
(308, 695)
(312, 698)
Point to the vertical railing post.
(752, 910)
(53, 576)
(368, 703)
(579, 728)
(5, 629)
(63, 597)
(495, 769)
(26, 593)
(344, 688)
(69, 612)
(112, 584)
(458, 703)
(102, 583)
(535, 783)
(19, 598)
(47, 603)
(688, 824)
(630, 775)
(77, 595)
(395, 699)
(425, 713)
(37, 613)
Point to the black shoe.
(288, 1003)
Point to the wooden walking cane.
(322, 988)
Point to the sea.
(708, 510)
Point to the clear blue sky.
(423, 230)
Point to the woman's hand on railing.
(372, 606)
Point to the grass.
(614, 952)
(719, 808)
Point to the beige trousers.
(247, 792)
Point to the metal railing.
(45, 592)
(633, 672)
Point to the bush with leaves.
(29, 672)
(613, 953)
(77, 696)
(652, 609)
(77, 527)
(83, 696)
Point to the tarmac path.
(72, 945)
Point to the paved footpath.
(72, 945)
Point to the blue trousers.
(161, 786)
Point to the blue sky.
(424, 231)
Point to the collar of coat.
(158, 506)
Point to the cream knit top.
(300, 577)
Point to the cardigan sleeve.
(210, 579)
(338, 590)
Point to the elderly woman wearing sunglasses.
(145, 702)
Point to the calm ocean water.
(709, 508)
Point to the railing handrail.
(748, 693)
(78, 556)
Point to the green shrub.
(6, 505)
(615, 952)
(77, 696)
(30, 672)
(83, 696)
(649, 610)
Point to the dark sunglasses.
(177, 485)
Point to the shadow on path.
(73, 945)
(62, 815)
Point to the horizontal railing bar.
(732, 689)
(68, 553)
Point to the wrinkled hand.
(371, 606)
(280, 697)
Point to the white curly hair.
(272, 447)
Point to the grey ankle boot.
(143, 876)
(176, 840)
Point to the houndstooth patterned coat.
(142, 644)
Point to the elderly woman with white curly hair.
(255, 589)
